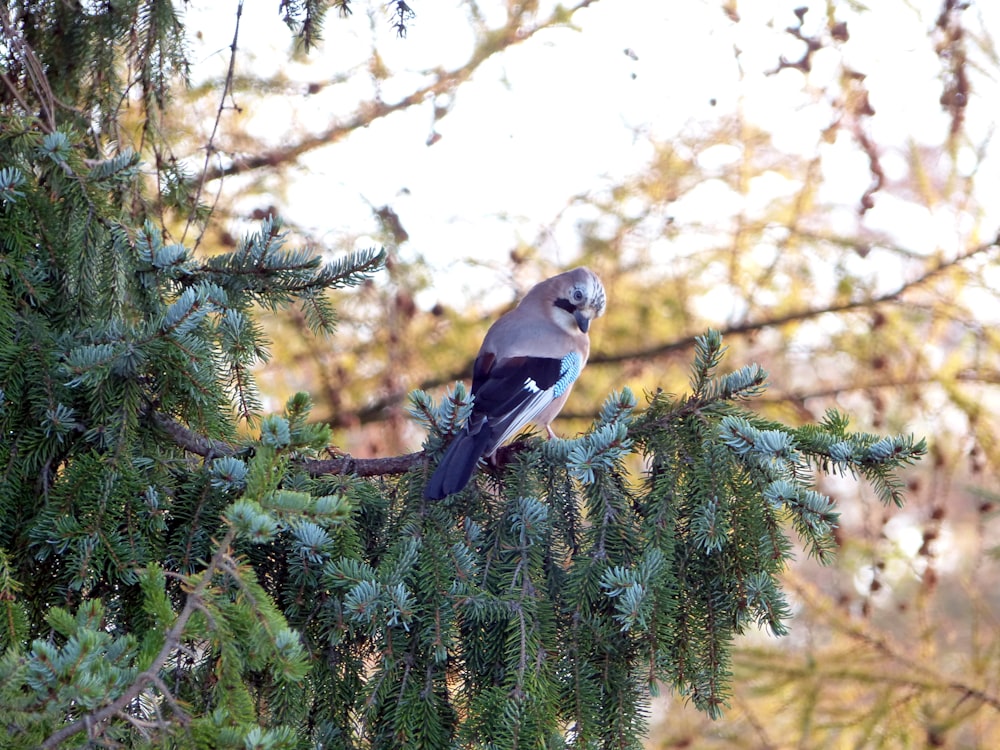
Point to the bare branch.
(375, 410)
(800, 315)
(150, 676)
(513, 33)
(200, 445)
(364, 467)
(227, 90)
(194, 442)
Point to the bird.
(526, 366)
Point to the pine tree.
(166, 580)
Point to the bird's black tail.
(457, 463)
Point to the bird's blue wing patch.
(569, 371)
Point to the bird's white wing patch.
(525, 415)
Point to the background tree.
(800, 274)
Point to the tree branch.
(363, 467)
(151, 675)
(799, 315)
(227, 90)
(194, 442)
(191, 441)
(374, 411)
(198, 444)
(512, 34)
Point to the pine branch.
(151, 675)
(196, 443)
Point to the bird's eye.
(577, 295)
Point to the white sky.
(558, 115)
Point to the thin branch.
(150, 676)
(445, 82)
(198, 444)
(374, 411)
(863, 633)
(800, 315)
(210, 146)
(912, 380)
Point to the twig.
(373, 411)
(445, 82)
(227, 90)
(151, 675)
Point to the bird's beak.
(582, 320)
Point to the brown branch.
(363, 467)
(191, 441)
(512, 34)
(198, 444)
(373, 412)
(333, 134)
(227, 90)
(971, 376)
(194, 442)
(151, 675)
(799, 315)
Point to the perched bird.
(526, 366)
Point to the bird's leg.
(552, 435)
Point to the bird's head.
(577, 298)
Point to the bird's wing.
(510, 393)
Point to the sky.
(573, 110)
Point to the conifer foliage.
(167, 583)
(119, 573)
